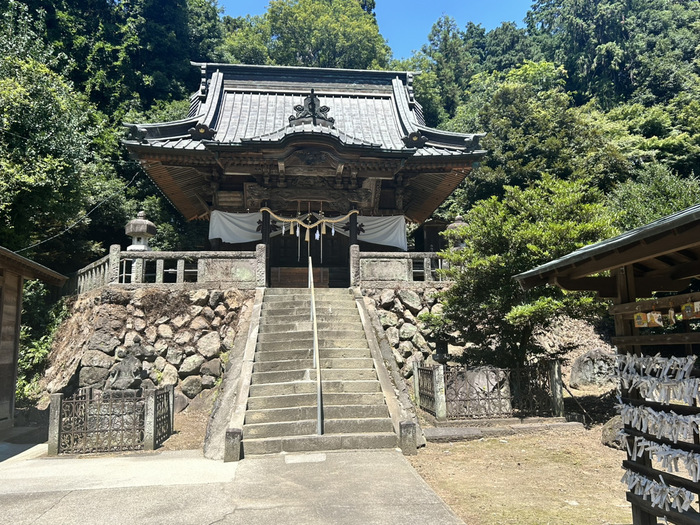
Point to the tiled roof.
(246, 105)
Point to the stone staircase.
(281, 408)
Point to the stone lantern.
(453, 232)
(140, 230)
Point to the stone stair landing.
(281, 408)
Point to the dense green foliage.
(506, 236)
(598, 99)
(336, 33)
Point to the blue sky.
(405, 24)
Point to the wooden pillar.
(266, 228)
(353, 229)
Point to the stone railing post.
(260, 265)
(355, 265)
(416, 383)
(555, 381)
(427, 269)
(180, 271)
(439, 385)
(55, 423)
(149, 420)
(114, 263)
(171, 406)
(160, 267)
(137, 270)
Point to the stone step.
(303, 314)
(301, 344)
(307, 363)
(307, 353)
(340, 292)
(329, 399)
(281, 325)
(308, 426)
(305, 412)
(328, 319)
(277, 337)
(290, 304)
(309, 387)
(309, 374)
(313, 443)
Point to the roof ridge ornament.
(312, 112)
(201, 132)
(414, 140)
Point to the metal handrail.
(317, 359)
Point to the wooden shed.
(14, 269)
(649, 274)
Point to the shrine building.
(306, 161)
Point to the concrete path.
(345, 487)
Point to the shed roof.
(28, 268)
(664, 255)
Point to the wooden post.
(626, 293)
(266, 227)
(353, 229)
(555, 381)
(55, 423)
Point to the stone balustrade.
(387, 269)
(241, 269)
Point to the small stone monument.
(140, 230)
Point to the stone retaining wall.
(146, 338)
(398, 310)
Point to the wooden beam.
(604, 286)
(686, 271)
(663, 339)
(645, 287)
(640, 251)
(630, 308)
(690, 517)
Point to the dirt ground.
(551, 477)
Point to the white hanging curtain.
(387, 231)
(235, 228)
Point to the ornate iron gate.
(482, 392)
(94, 421)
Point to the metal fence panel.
(482, 392)
(93, 421)
(163, 427)
(426, 388)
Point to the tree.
(455, 58)
(52, 147)
(205, 30)
(504, 237)
(532, 129)
(312, 33)
(332, 33)
(654, 193)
